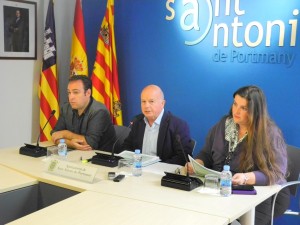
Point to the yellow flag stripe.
(78, 52)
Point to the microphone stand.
(36, 150)
(178, 181)
(112, 160)
(106, 159)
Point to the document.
(146, 159)
(201, 170)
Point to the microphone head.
(136, 118)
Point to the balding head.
(155, 90)
(152, 102)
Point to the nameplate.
(71, 170)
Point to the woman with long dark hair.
(251, 143)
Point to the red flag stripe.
(48, 92)
(51, 79)
(105, 74)
(45, 106)
(79, 60)
(99, 85)
(100, 59)
(79, 24)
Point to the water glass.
(212, 181)
(52, 151)
(125, 166)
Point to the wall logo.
(196, 17)
(228, 24)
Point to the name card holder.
(71, 170)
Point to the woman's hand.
(243, 178)
(189, 168)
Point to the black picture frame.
(18, 36)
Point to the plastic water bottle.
(137, 163)
(225, 181)
(62, 149)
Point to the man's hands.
(79, 145)
(57, 135)
(75, 141)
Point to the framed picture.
(17, 29)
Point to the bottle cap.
(62, 140)
(226, 167)
(137, 151)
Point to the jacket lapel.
(162, 133)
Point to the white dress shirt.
(151, 135)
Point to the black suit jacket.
(168, 146)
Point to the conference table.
(10, 180)
(89, 208)
(16, 187)
(121, 202)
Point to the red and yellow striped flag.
(48, 88)
(79, 62)
(105, 75)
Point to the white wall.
(19, 120)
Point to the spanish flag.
(79, 62)
(48, 88)
(105, 74)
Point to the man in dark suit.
(17, 29)
(158, 132)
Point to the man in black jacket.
(18, 31)
(158, 132)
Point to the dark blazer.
(168, 147)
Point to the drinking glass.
(211, 181)
(52, 151)
(125, 166)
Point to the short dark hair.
(87, 83)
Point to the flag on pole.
(105, 74)
(79, 63)
(48, 88)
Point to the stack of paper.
(201, 170)
(146, 159)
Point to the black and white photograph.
(18, 29)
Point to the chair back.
(293, 166)
(122, 133)
(293, 181)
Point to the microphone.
(36, 150)
(112, 160)
(38, 140)
(178, 181)
(122, 133)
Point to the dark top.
(168, 147)
(17, 28)
(94, 124)
(215, 150)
